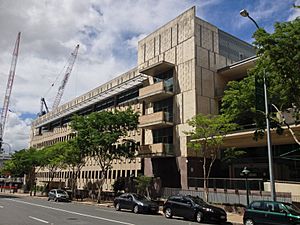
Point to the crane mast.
(9, 85)
(66, 77)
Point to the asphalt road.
(15, 210)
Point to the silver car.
(58, 195)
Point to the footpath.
(232, 218)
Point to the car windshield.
(198, 200)
(60, 192)
(140, 197)
(292, 208)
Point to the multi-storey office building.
(182, 70)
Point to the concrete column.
(148, 170)
(182, 166)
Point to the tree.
(52, 159)
(74, 158)
(23, 163)
(143, 184)
(279, 62)
(102, 136)
(207, 137)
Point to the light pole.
(245, 172)
(245, 13)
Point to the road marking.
(71, 212)
(1, 206)
(43, 221)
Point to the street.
(19, 210)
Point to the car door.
(187, 208)
(276, 214)
(256, 212)
(181, 207)
(127, 201)
(51, 194)
(122, 200)
(174, 203)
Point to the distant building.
(182, 70)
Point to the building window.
(164, 135)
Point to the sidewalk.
(235, 218)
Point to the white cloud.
(107, 31)
(17, 134)
(295, 12)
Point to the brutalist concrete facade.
(193, 50)
(177, 67)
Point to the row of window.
(95, 174)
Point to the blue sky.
(108, 32)
(264, 12)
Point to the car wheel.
(168, 213)
(56, 200)
(249, 222)
(199, 217)
(136, 209)
(48, 199)
(117, 206)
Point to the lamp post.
(245, 172)
(245, 13)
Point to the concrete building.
(182, 70)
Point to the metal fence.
(228, 196)
(227, 183)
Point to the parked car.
(135, 202)
(193, 208)
(270, 212)
(58, 195)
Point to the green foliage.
(53, 156)
(102, 135)
(22, 162)
(279, 62)
(206, 138)
(232, 154)
(143, 184)
(119, 184)
(208, 133)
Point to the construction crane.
(9, 85)
(43, 104)
(66, 77)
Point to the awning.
(157, 68)
(65, 110)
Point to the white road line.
(43, 221)
(71, 212)
(1, 206)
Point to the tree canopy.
(102, 135)
(279, 61)
(207, 137)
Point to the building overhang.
(63, 111)
(237, 70)
(157, 68)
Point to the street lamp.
(245, 172)
(245, 13)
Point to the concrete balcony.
(157, 150)
(156, 120)
(156, 92)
